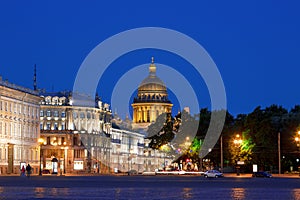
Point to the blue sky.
(254, 44)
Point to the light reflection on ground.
(144, 193)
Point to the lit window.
(63, 126)
(55, 113)
(48, 125)
(55, 126)
(48, 113)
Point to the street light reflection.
(187, 193)
(296, 193)
(238, 193)
(39, 192)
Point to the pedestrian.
(23, 171)
(28, 170)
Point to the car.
(132, 172)
(262, 174)
(213, 174)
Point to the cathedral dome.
(152, 88)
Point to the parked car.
(262, 174)
(213, 174)
(132, 172)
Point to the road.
(148, 187)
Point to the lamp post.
(41, 141)
(237, 142)
(221, 147)
(297, 140)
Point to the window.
(48, 140)
(75, 142)
(48, 126)
(5, 106)
(63, 114)
(48, 113)
(41, 113)
(63, 126)
(55, 100)
(75, 115)
(48, 100)
(88, 115)
(55, 114)
(148, 115)
(82, 115)
(63, 141)
(55, 126)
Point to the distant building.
(151, 101)
(19, 128)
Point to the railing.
(17, 87)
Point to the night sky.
(255, 44)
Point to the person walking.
(28, 170)
(23, 171)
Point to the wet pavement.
(149, 187)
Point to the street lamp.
(297, 139)
(238, 141)
(40, 141)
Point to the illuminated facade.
(130, 151)
(77, 137)
(151, 101)
(19, 128)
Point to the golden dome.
(152, 88)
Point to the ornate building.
(19, 128)
(75, 138)
(151, 101)
(78, 139)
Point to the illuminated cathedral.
(151, 100)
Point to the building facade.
(19, 128)
(151, 101)
(78, 139)
(75, 138)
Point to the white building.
(74, 136)
(19, 127)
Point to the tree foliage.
(259, 129)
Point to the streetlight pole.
(41, 141)
(297, 139)
(221, 141)
(279, 154)
(238, 141)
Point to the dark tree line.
(259, 131)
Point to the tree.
(242, 150)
